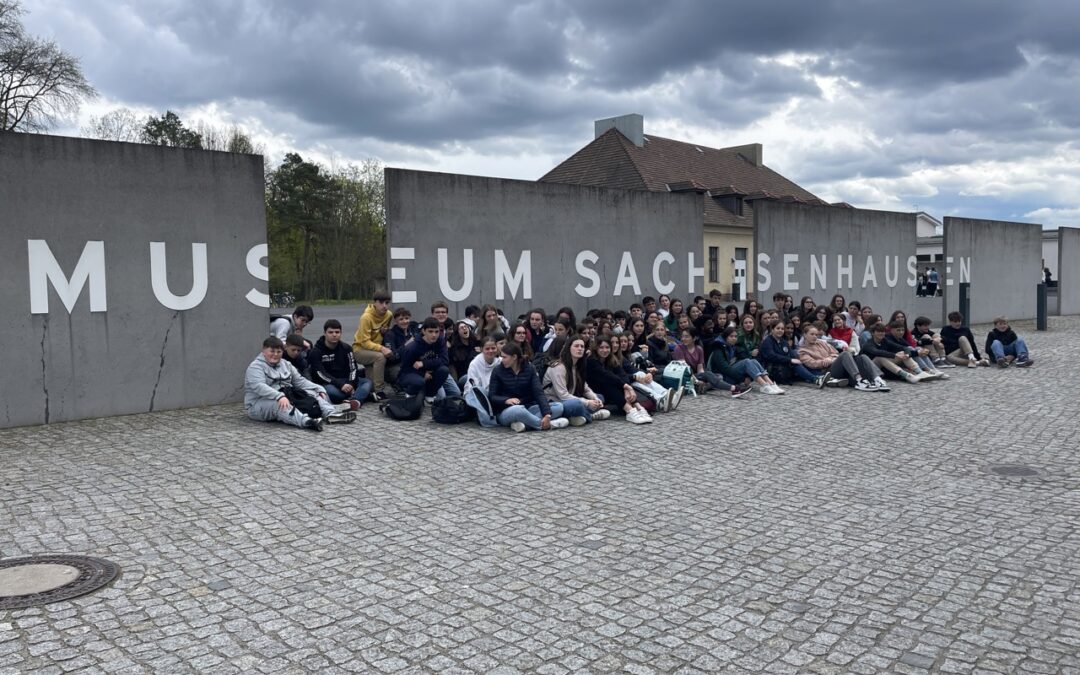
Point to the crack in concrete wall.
(44, 375)
(161, 364)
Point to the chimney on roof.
(751, 151)
(632, 126)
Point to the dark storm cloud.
(442, 72)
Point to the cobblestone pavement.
(821, 531)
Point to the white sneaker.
(429, 399)
(865, 385)
(645, 415)
(771, 389)
(635, 417)
(676, 398)
(517, 426)
(881, 384)
(664, 404)
(601, 414)
(577, 421)
(923, 375)
(560, 423)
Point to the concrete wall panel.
(548, 224)
(1004, 263)
(133, 354)
(823, 250)
(1068, 270)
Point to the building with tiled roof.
(728, 180)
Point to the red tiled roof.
(612, 160)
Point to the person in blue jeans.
(333, 366)
(735, 370)
(781, 361)
(1004, 346)
(518, 399)
(425, 363)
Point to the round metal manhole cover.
(1015, 470)
(44, 579)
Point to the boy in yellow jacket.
(368, 348)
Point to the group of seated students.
(553, 371)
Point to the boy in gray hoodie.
(269, 381)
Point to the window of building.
(740, 254)
(714, 264)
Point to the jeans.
(450, 388)
(748, 368)
(413, 383)
(530, 417)
(1017, 349)
(713, 379)
(804, 373)
(361, 390)
(572, 407)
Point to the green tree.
(169, 130)
(39, 82)
(298, 203)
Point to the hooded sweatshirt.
(480, 373)
(369, 335)
(265, 382)
(335, 366)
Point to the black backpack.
(452, 410)
(408, 408)
(540, 365)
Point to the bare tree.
(116, 125)
(39, 82)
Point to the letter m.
(44, 269)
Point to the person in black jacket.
(1004, 346)
(296, 353)
(605, 376)
(518, 398)
(334, 367)
(659, 347)
(425, 365)
(397, 336)
(782, 361)
(959, 343)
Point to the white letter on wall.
(467, 276)
(790, 259)
(891, 279)
(257, 269)
(912, 270)
(817, 272)
(159, 280)
(869, 273)
(44, 269)
(660, 259)
(627, 275)
(579, 264)
(398, 273)
(843, 271)
(522, 277)
(764, 276)
(692, 273)
(965, 270)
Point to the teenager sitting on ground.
(671, 321)
(660, 346)
(779, 302)
(295, 353)
(425, 364)
(725, 361)
(781, 360)
(853, 318)
(480, 368)
(400, 333)
(636, 331)
(926, 339)
(748, 338)
(892, 359)
(959, 343)
(899, 338)
(806, 309)
(752, 307)
(270, 381)
(730, 318)
(663, 307)
(838, 305)
(284, 326)
(609, 381)
(334, 367)
(517, 397)
(539, 331)
(463, 348)
(1005, 346)
(565, 381)
(644, 375)
(441, 311)
(561, 328)
(818, 354)
(842, 334)
(367, 345)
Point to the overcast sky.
(959, 107)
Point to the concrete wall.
(1068, 266)
(572, 245)
(95, 207)
(1002, 260)
(864, 255)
